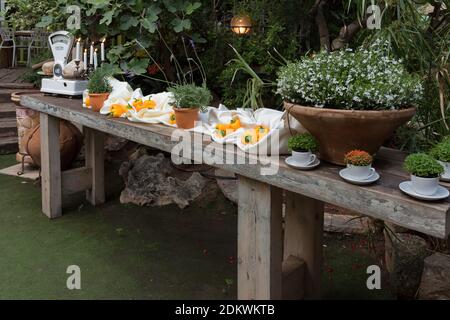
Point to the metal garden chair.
(39, 40)
(7, 36)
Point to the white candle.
(78, 52)
(91, 58)
(85, 59)
(95, 59)
(102, 50)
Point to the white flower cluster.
(366, 79)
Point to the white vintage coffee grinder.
(61, 43)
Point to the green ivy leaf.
(107, 17)
(180, 25)
(45, 22)
(138, 66)
(191, 7)
(127, 21)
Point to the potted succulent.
(441, 152)
(425, 172)
(359, 164)
(302, 147)
(349, 99)
(99, 88)
(188, 100)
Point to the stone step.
(7, 110)
(8, 145)
(8, 127)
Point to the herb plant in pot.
(359, 164)
(188, 100)
(99, 88)
(349, 99)
(441, 152)
(425, 172)
(302, 147)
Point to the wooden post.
(303, 237)
(259, 240)
(95, 160)
(50, 167)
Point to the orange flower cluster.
(254, 135)
(358, 158)
(172, 119)
(222, 130)
(140, 104)
(117, 110)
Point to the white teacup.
(424, 186)
(304, 158)
(446, 165)
(360, 172)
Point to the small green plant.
(303, 143)
(441, 151)
(189, 96)
(358, 158)
(423, 165)
(98, 82)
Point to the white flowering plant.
(364, 79)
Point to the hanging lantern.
(241, 24)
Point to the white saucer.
(290, 162)
(441, 193)
(343, 174)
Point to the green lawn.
(129, 252)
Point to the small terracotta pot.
(186, 117)
(340, 131)
(97, 100)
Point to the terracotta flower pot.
(340, 131)
(97, 100)
(186, 117)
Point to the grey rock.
(228, 184)
(148, 182)
(404, 254)
(435, 283)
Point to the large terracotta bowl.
(340, 131)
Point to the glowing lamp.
(241, 24)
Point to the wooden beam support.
(293, 278)
(50, 166)
(76, 180)
(95, 160)
(259, 240)
(303, 237)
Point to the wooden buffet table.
(272, 264)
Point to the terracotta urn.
(186, 117)
(340, 131)
(26, 119)
(70, 140)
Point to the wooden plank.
(95, 158)
(76, 180)
(293, 278)
(50, 167)
(383, 200)
(303, 238)
(259, 240)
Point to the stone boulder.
(435, 283)
(404, 254)
(152, 181)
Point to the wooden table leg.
(303, 239)
(259, 240)
(95, 160)
(50, 166)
